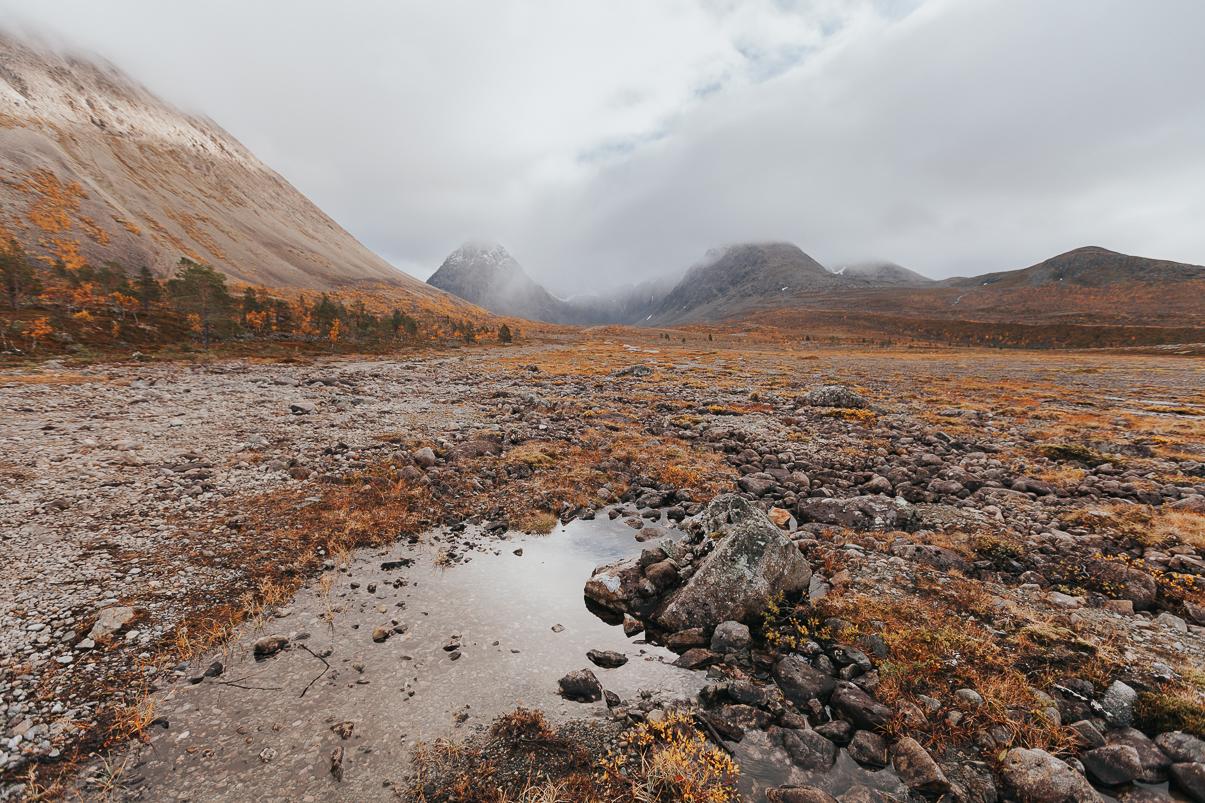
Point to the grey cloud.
(611, 141)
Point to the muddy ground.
(156, 518)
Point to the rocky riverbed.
(1002, 556)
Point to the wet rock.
(834, 396)
(268, 646)
(1189, 778)
(1039, 777)
(1112, 765)
(608, 659)
(752, 562)
(663, 574)
(808, 749)
(337, 763)
(631, 626)
(798, 794)
(916, 767)
(697, 658)
(859, 708)
(730, 637)
(801, 682)
(581, 686)
(685, 639)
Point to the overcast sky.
(613, 140)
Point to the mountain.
(1090, 266)
(94, 168)
(742, 278)
(886, 274)
(485, 274)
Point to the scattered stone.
(608, 659)
(268, 646)
(581, 686)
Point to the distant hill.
(485, 274)
(740, 278)
(94, 168)
(886, 274)
(1090, 266)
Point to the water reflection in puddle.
(261, 739)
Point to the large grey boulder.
(1039, 777)
(753, 561)
(834, 396)
(869, 512)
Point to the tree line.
(197, 298)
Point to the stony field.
(983, 575)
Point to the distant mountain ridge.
(747, 278)
(1090, 266)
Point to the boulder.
(1189, 778)
(753, 562)
(581, 686)
(607, 659)
(1154, 761)
(110, 620)
(868, 749)
(869, 512)
(800, 682)
(730, 637)
(808, 749)
(1181, 747)
(917, 769)
(834, 396)
(268, 646)
(1112, 765)
(859, 708)
(1039, 777)
(1128, 582)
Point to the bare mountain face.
(93, 168)
(741, 278)
(487, 275)
(1090, 266)
(886, 274)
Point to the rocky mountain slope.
(94, 168)
(742, 277)
(485, 274)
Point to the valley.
(1049, 504)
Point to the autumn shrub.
(671, 760)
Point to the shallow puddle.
(251, 734)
